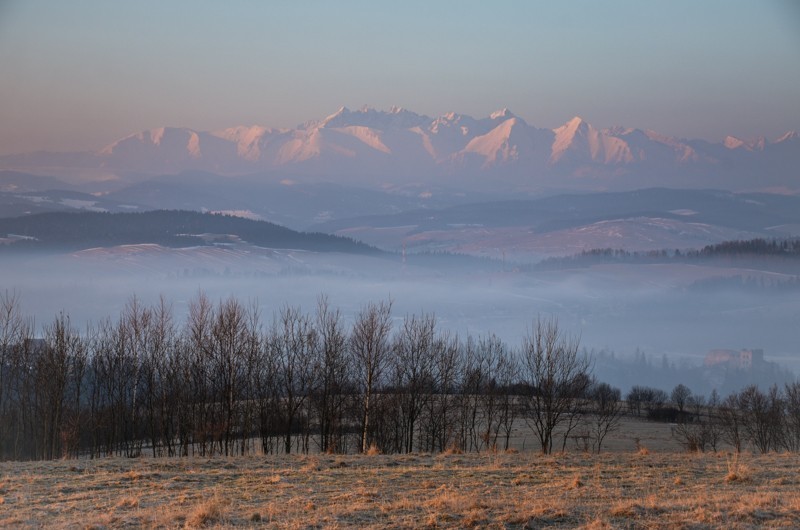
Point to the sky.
(78, 75)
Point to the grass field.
(645, 489)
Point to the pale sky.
(77, 75)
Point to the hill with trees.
(62, 231)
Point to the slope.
(75, 231)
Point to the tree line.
(785, 249)
(762, 420)
(227, 381)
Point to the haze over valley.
(647, 301)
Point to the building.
(742, 359)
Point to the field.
(645, 488)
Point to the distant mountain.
(16, 182)
(77, 231)
(26, 194)
(286, 202)
(502, 151)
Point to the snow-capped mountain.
(373, 146)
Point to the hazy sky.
(80, 74)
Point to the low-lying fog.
(619, 309)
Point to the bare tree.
(59, 368)
(371, 348)
(229, 340)
(441, 421)
(295, 340)
(680, 396)
(652, 399)
(412, 374)
(249, 389)
(730, 417)
(607, 413)
(792, 427)
(556, 375)
(761, 417)
(264, 376)
(15, 337)
(330, 395)
(134, 342)
(508, 373)
(715, 427)
(198, 337)
(634, 398)
(480, 402)
(166, 387)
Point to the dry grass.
(488, 490)
(737, 471)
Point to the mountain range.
(375, 148)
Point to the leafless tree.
(371, 348)
(264, 383)
(412, 374)
(508, 374)
(198, 337)
(792, 416)
(15, 338)
(59, 366)
(761, 417)
(557, 377)
(481, 399)
(731, 421)
(295, 340)
(606, 414)
(680, 396)
(330, 395)
(441, 423)
(229, 350)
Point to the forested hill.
(61, 231)
(752, 249)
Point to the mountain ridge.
(369, 146)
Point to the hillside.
(61, 231)
(565, 224)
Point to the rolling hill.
(61, 231)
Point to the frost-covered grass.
(505, 490)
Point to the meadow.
(644, 481)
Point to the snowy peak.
(249, 140)
(731, 142)
(371, 146)
(503, 114)
(511, 143)
(157, 139)
(501, 144)
(755, 144)
(789, 135)
(396, 117)
(577, 142)
(340, 115)
(575, 124)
